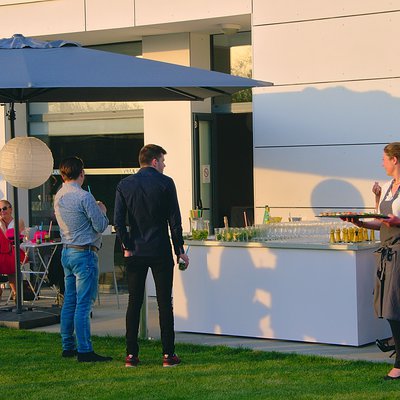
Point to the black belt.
(79, 247)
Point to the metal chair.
(106, 261)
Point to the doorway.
(223, 168)
(203, 167)
(234, 169)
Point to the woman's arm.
(3, 225)
(392, 220)
(374, 224)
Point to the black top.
(150, 201)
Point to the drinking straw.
(51, 224)
(88, 188)
(226, 222)
(245, 219)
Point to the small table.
(43, 266)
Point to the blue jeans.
(81, 280)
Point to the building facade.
(312, 141)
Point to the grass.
(31, 368)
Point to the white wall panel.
(169, 124)
(354, 112)
(332, 176)
(41, 18)
(328, 50)
(105, 14)
(277, 11)
(173, 48)
(155, 11)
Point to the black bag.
(28, 293)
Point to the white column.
(169, 124)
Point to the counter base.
(319, 296)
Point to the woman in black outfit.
(387, 284)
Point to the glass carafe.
(199, 228)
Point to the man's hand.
(128, 253)
(102, 206)
(185, 258)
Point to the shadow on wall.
(334, 115)
(211, 296)
(347, 195)
(321, 138)
(330, 132)
(271, 293)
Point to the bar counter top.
(307, 244)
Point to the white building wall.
(273, 11)
(150, 12)
(105, 14)
(169, 124)
(42, 17)
(320, 131)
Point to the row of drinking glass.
(304, 230)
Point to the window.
(106, 135)
(231, 54)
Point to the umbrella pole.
(18, 274)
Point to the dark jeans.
(395, 327)
(163, 272)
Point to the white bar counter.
(310, 292)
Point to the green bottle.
(266, 215)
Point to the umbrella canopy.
(59, 71)
(64, 71)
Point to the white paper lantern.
(26, 162)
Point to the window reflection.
(231, 54)
(106, 135)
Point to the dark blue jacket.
(149, 200)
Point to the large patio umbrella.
(59, 71)
(64, 71)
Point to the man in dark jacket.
(150, 201)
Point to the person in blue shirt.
(81, 220)
(148, 200)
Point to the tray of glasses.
(352, 214)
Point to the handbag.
(28, 294)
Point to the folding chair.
(106, 261)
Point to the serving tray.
(352, 214)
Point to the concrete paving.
(109, 320)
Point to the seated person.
(6, 224)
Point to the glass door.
(203, 166)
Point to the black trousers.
(395, 327)
(163, 272)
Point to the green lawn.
(31, 368)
